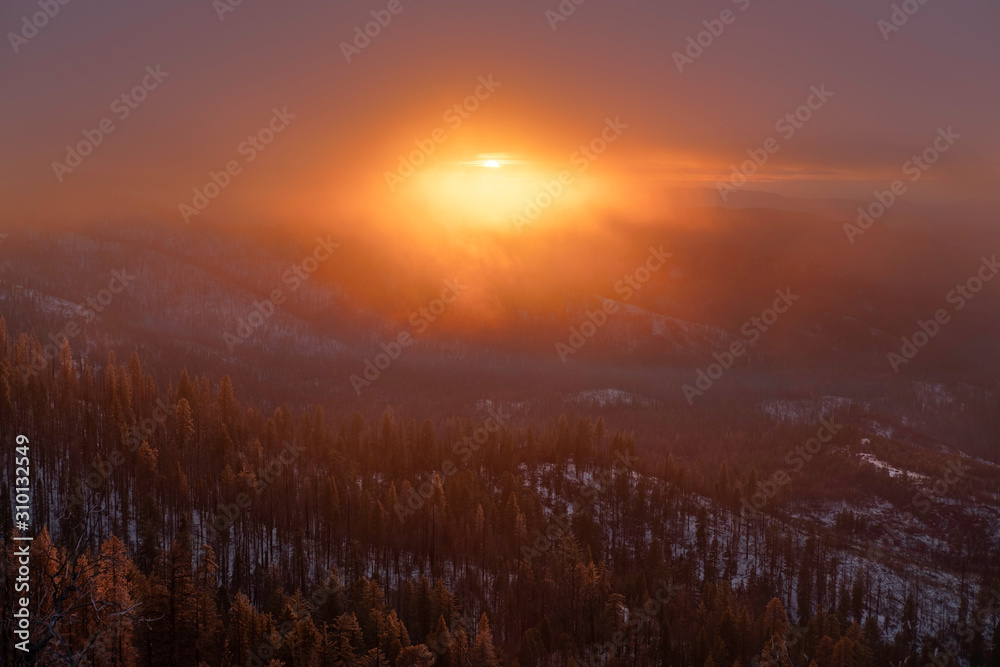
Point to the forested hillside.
(176, 524)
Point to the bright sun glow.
(477, 192)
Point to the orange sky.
(557, 88)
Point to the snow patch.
(892, 470)
(605, 397)
(804, 410)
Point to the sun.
(494, 191)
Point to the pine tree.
(392, 635)
(135, 379)
(67, 385)
(483, 651)
(415, 656)
(531, 652)
(442, 602)
(207, 620)
(346, 642)
(438, 506)
(226, 403)
(242, 636)
(86, 612)
(186, 389)
(906, 638)
(439, 641)
(459, 653)
(775, 625)
(176, 606)
(184, 425)
(303, 645)
(376, 658)
(115, 647)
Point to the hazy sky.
(557, 88)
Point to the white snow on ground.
(933, 394)
(804, 410)
(892, 470)
(979, 460)
(45, 303)
(603, 397)
(896, 558)
(896, 562)
(880, 429)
